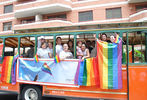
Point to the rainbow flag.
(109, 62)
(57, 59)
(117, 39)
(7, 69)
(46, 68)
(87, 73)
(36, 58)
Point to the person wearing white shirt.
(59, 47)
(40, 41)
(65, 54)
(50, 49)
(43, 51)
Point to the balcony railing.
(33, 21)
(45, 23)
(139, 16)
(41, 7)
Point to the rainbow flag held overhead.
(46, 68)
(36, 58)
(109, 62)
(57, 59)
(117, 39)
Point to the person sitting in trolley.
(65, 54)
(43, 51)
(112, 39)
(85, 51)
(79, 51)
(50, 49)
(70, 45)
(103, 37)
(59, 47)
(40, 41)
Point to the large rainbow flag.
(87, 73)
(7, 69)
(109, 62)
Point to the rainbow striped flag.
(7, 69)
(46, 68)
(109, 62)
(117, 39)
(57, 59)
(87, 73)
(36, 58)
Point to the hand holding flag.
(36, 58)
(57, 59)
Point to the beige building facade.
(37, 14)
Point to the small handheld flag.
(17, 55)
(46, 68)
(117, 39)
(36, 58)
(57, 59)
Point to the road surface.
(9, 96)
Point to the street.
(9, 96)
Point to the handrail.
(50, 19)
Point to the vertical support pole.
(132, 53)
(23, 50)
(3, 49)
(127, 64)
(145, 47)
(75, 44)
(54, 45)
(19, 40)
(36, 44)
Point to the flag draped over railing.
(105, 70)
(87, 73)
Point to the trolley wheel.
(31, 93)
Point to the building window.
(141, 7)
(60, 17)
(85, 16)
(7, 26)
(8, 8)
(113, 13)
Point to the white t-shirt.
(59, 48)
(50, 50)
(43, 53)
(65, 55)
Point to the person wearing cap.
(41, 40)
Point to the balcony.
(45, 23)
(26, 9)
(136, 1)
(139, 16)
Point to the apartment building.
(38, 14)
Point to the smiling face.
(112, 38)
(65, 47)
(70, 44)
(50, 45)
(83, 47)
(43, 45)
(104, 37)
(59, 41)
